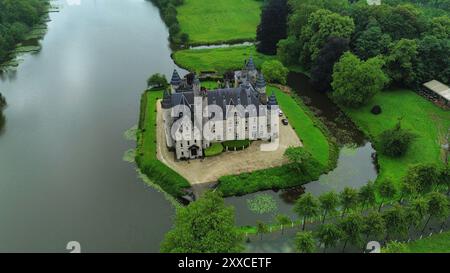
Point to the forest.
(407, 40)
(17, 17)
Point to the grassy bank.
(218, 59)
(315, 140)
(428, 122)
(146, 159)
(219, 21)
(438, 243)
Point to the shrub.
(275, 72)
(214, 149)
(376, 110)
(395, 142)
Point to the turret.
(260, 87)
(196, 86)
(167, 117)
(175, 82)
(251, 68)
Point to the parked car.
(285, 121)
(280, 113)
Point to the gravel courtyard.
(233, 162)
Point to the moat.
(61, 170)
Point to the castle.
(195, 118)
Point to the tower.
(260, 86)
(251, 70)
(272, 117)
(166, 105)
(196, 86)
(175, 82)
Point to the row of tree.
(17, 17)
(393, 223)
(394, 43)
(168, 11)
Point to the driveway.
(233, 162)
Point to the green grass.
(438, 243)
(314, 141)
(218, 59)
(214, 149)
(219, 21)
(169, 180)
(428, 122)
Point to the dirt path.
(210, 169)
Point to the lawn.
(428, 122)
(312, 137)
(146, 159)
(218, 59)
(219, 21)
(438, 243)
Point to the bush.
(236, 144)
(214, 149)
(376, 110)
(275, 72)
(395, 142)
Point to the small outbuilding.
(438, 92)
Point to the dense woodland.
(401, 43)
(16, 19)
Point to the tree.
(444, 179)
(283, 220)
(297, 157)
(438, 207)
(306, 207)
(322, 68)
(329, 235)
(273, 26)
(367, 195)
(396, 141)
(348, 199)
(157, 81)
(396, 224)
(204, 226)
(403, 21)
(440, 27)
(352, 227)
(386, 190)
(304, 242)
(374, 225)
(355, 82)
(275, 72)
(372, 42)
(433, 60)
(288, 51)
(322, 25)
(261, 228)
(401, 60)
(423, 177)
(415, 212)
(328, 203)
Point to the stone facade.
(194, 117)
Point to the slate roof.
(260, 81)
(251, 64)
(176, 79)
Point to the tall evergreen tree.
(273, 26)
